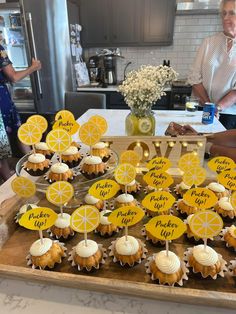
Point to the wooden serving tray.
(111, 277)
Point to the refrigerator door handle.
(34, 51)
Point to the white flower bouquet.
(143, 87)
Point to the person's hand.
(35, 65)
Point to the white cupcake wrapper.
(29, 260)
(223, 264)
(232, 266)
(183, 267)
(73, 252)
(51, 234)
(144, 255)
(222, 233)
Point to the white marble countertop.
(109, 88)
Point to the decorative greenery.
(143, 87)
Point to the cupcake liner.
(153, 241)
(138, 189)
(88, 269)
(29, 260)
(107, 234)
(36, 173)
(157, 213)
(222, 233)
(52, 235)
(144, 254)
(91, 176)
(182, 265)
(52, 181)
(232, 267)
(223, 263)
(148, 189)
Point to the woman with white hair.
(213, 74)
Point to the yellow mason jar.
(140, 122)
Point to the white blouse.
(215, 68)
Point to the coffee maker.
(94, 70)
(109, 62)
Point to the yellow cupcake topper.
(64, 114)
(189, 160)
(58, 140)
(200, 197)
(166, 227)
(23, 187)
(29, 134)
(126, 216)
(233, 199)
(194, 176)
(85, 219)
(130, 157)
(39, 121)
(159, 163)
(100, 122)
(158, 201)
(89, 134)
(219, 164)
(59, 193)
(125, 174)
(158, 179)
(104, 189)
(40, 218)
(70, 126)
(228, 179)
(206, 224)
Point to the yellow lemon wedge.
(59, 192)
(85, 219)
(23, 187)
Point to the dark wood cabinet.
(112, 23)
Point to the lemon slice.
(125, 173)
(58, 140)
(194, 176)
(100, 122)
(89, 134)
(39, 121)
(129, 126)
(23, 187)
(64, 114)
(144, 125)
(59, 193)
(130, 157)
(29, 134)
(206, 224)
(188, 160)
(85, 219)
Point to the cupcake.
(76, 145)
(151, 213)
(87, 257)
(71, 157)
(105, 227)
(37, 164)
(91, 200)
(224, 208)
(167, 269)
(218, 189)
(61, 227)
(181, 189)
(207, 261)
(23, 210)
(93, 167)
(149, 237)
(125, 200)
(46, 254)
(42, 148)
(59, 172)
(229, 236)
(100, 150)
(184, 208)
(127, 250)
(132, 187)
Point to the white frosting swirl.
(205, 257)
(72, 150)
(167, 264)
(99, 145)
(216, 187)
(42, 146)
(103, 219)
(38, 248)
(90, 200)
(125, 198)
(86, 251)
(36, 158)
(23, 208)
(232, 231)
(184, 186)
(62, 221)
(92, 160)
(59, 167)
(131, 183)
(127, 247)
(225, 204)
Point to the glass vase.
(140, 122)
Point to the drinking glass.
(191, 105)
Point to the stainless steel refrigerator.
(40, 29)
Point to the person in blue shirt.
(9, 117)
